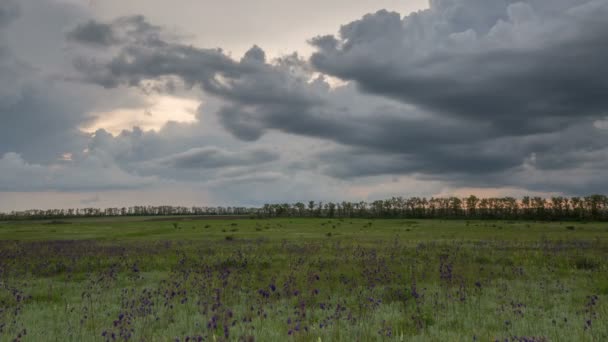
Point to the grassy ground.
(303, 280)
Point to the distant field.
(160, 279)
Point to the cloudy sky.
(203, 102)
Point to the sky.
(199, 102)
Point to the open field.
(144, 279)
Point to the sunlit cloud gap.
(159, 110)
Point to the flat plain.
(302, 279)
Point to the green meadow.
(302, 279)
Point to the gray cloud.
(464, 92)
(39, 113)
(39, 127)
(9, 10)
(213, 157)
(512, 64)
(91, 174)
(279, 96)
(129, 29)
(93, 33)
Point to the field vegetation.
(313, 279)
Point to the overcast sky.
(199, 102)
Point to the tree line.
(165, 210)
(594, 207)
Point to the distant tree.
(311, 208)
(471, 204)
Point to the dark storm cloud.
(514, 69)
(248, 82)
(249, 86)
(213, 157)
(468, 91)
(280, 96)
(446, 162)
(573, 160)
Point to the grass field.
(145, 279)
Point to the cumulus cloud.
(281, 95)
(41, 111)
(466, 93)
(524, 66)
(463, 92)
